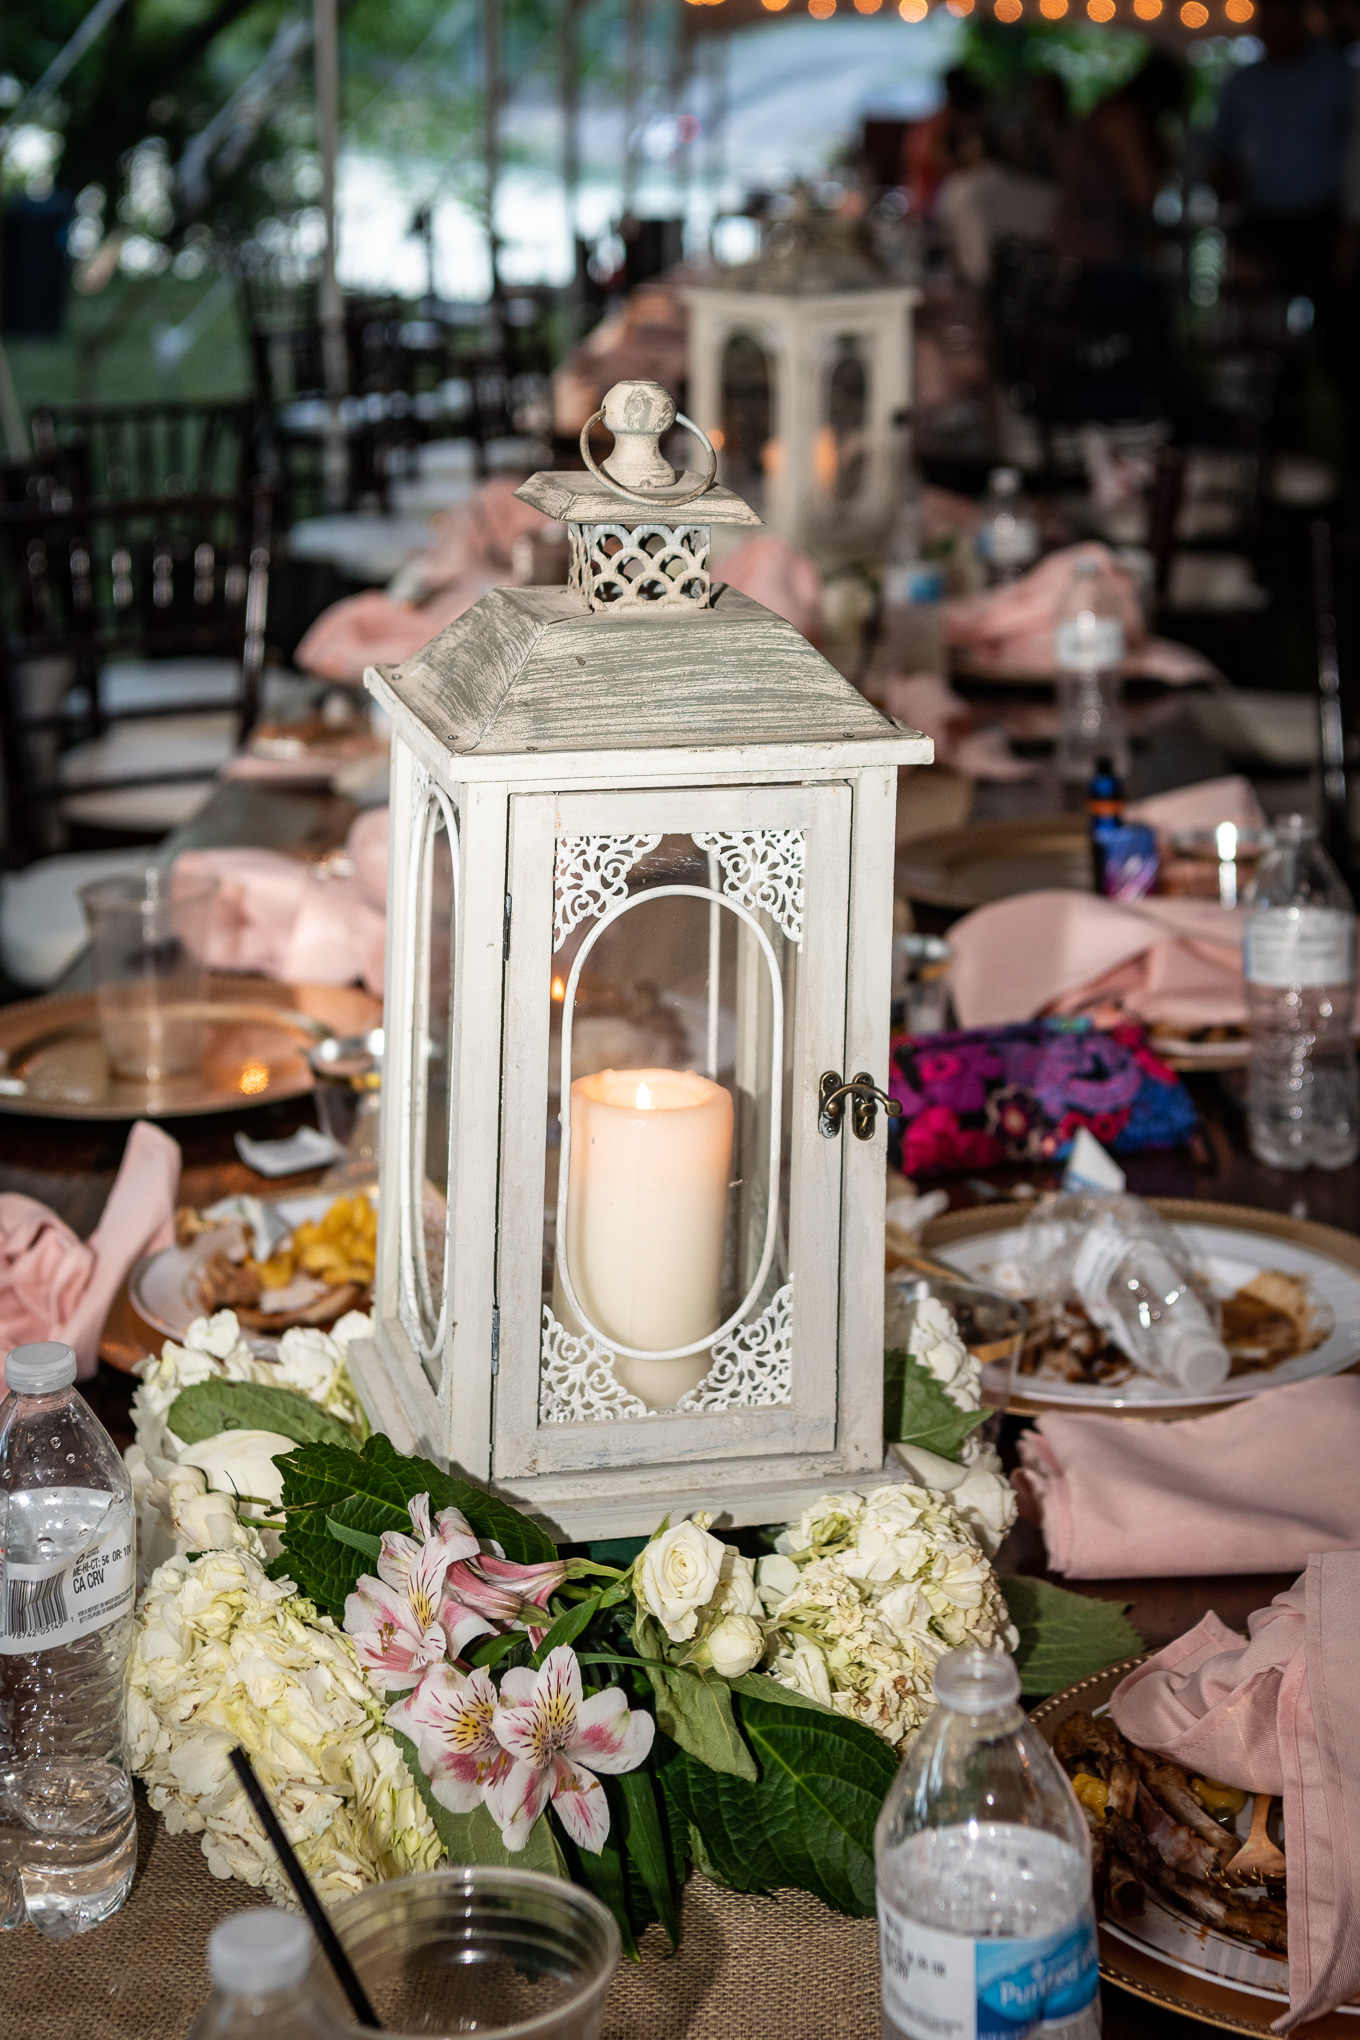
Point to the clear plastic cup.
(149, 937)
(505, 1954)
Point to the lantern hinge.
(865, 1099)
(505, 932)
(495, 1340)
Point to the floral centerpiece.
(418, 1672)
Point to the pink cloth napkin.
(1175, 961)
(777, 574)
(283, 920)
(54, 1286)
(1277, 1714)
(925, 702)
(1232, 799)
(1009, 630)
(1254, 1488)
(469, 552)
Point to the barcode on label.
(35, 1607)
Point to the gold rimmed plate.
(256, 1034)
(1230, 1243)
(1179, 1965)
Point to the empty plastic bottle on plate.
(259, 1963)
(68, 1834)
(986, 1925)
(1131, 1275)
(1298, 958)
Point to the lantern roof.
(532, 670)
(808, 255)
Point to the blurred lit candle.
(1226, 845)
(651, 1159)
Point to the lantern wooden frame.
(541, 723)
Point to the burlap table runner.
(779, 1968)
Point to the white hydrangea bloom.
(309, 1361)
(224, 1655)
(871, 1610)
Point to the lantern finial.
(621, 560)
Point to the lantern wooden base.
(618, 1501)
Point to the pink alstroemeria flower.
(448, 1718)
(554, 1734)
(400, 1622)
(505, 1592)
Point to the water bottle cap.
(976, 1681)
(1200, 1361)
(256, 1952)
(40, 1369)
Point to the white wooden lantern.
(800, 370)
(640, 921)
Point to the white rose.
(978, 1489)
(677, 1575)
(208, 1522)
(737, 1586)
(241, 1462)
(804, 1669)
(776, 1578)
(936, 1345)
(734, 1645)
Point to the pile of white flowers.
(223, 1656)
(865, 1591)
(185, 1494)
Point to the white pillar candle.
(651, 1159)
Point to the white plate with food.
(276, 1262)
(1290, 1292)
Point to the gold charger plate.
(967, 868)
(256, 1036)
(1140, 1970)
(976, 1223)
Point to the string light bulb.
(1147, 10)
(1239, 10)
(912, 10)
(1053, 10)
(1194, 14)
(821, 10)
(867, 6)
(1009, 10)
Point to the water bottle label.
(1090, 643)
(55, 1602)
(950, 1987)
(1283, 946)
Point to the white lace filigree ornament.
(762, 868)
(576, 1381)
(753, 1366)
(590, 875)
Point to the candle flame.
(559, 990)
(644, 1098)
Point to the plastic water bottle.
(1298, 958)
(1089, 654)
(1008, 538)
(68, 1834)
(259, 1963)
(1125, 1266)
(986, 1923)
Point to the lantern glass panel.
(431, 1067)
(667, 1226)
(841, 459)
(748, 444)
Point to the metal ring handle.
(651, 502)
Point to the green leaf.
(916, 1410)
(1063, 1636)
(568, 1627)
(604, 1873)
(693, 1708)
(211, 1407)
(474, 1837)
(808, 1821)
(645, 1841)
(615, 1551)
(367, 1492)
(492, 1649)
(358, 1540)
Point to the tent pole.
(333, 353)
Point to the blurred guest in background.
(1113, 164)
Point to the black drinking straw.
(325, 1933)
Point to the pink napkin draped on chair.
(1278, 1714)
(282, 919)
(55, 1286)
(1246, 1490)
